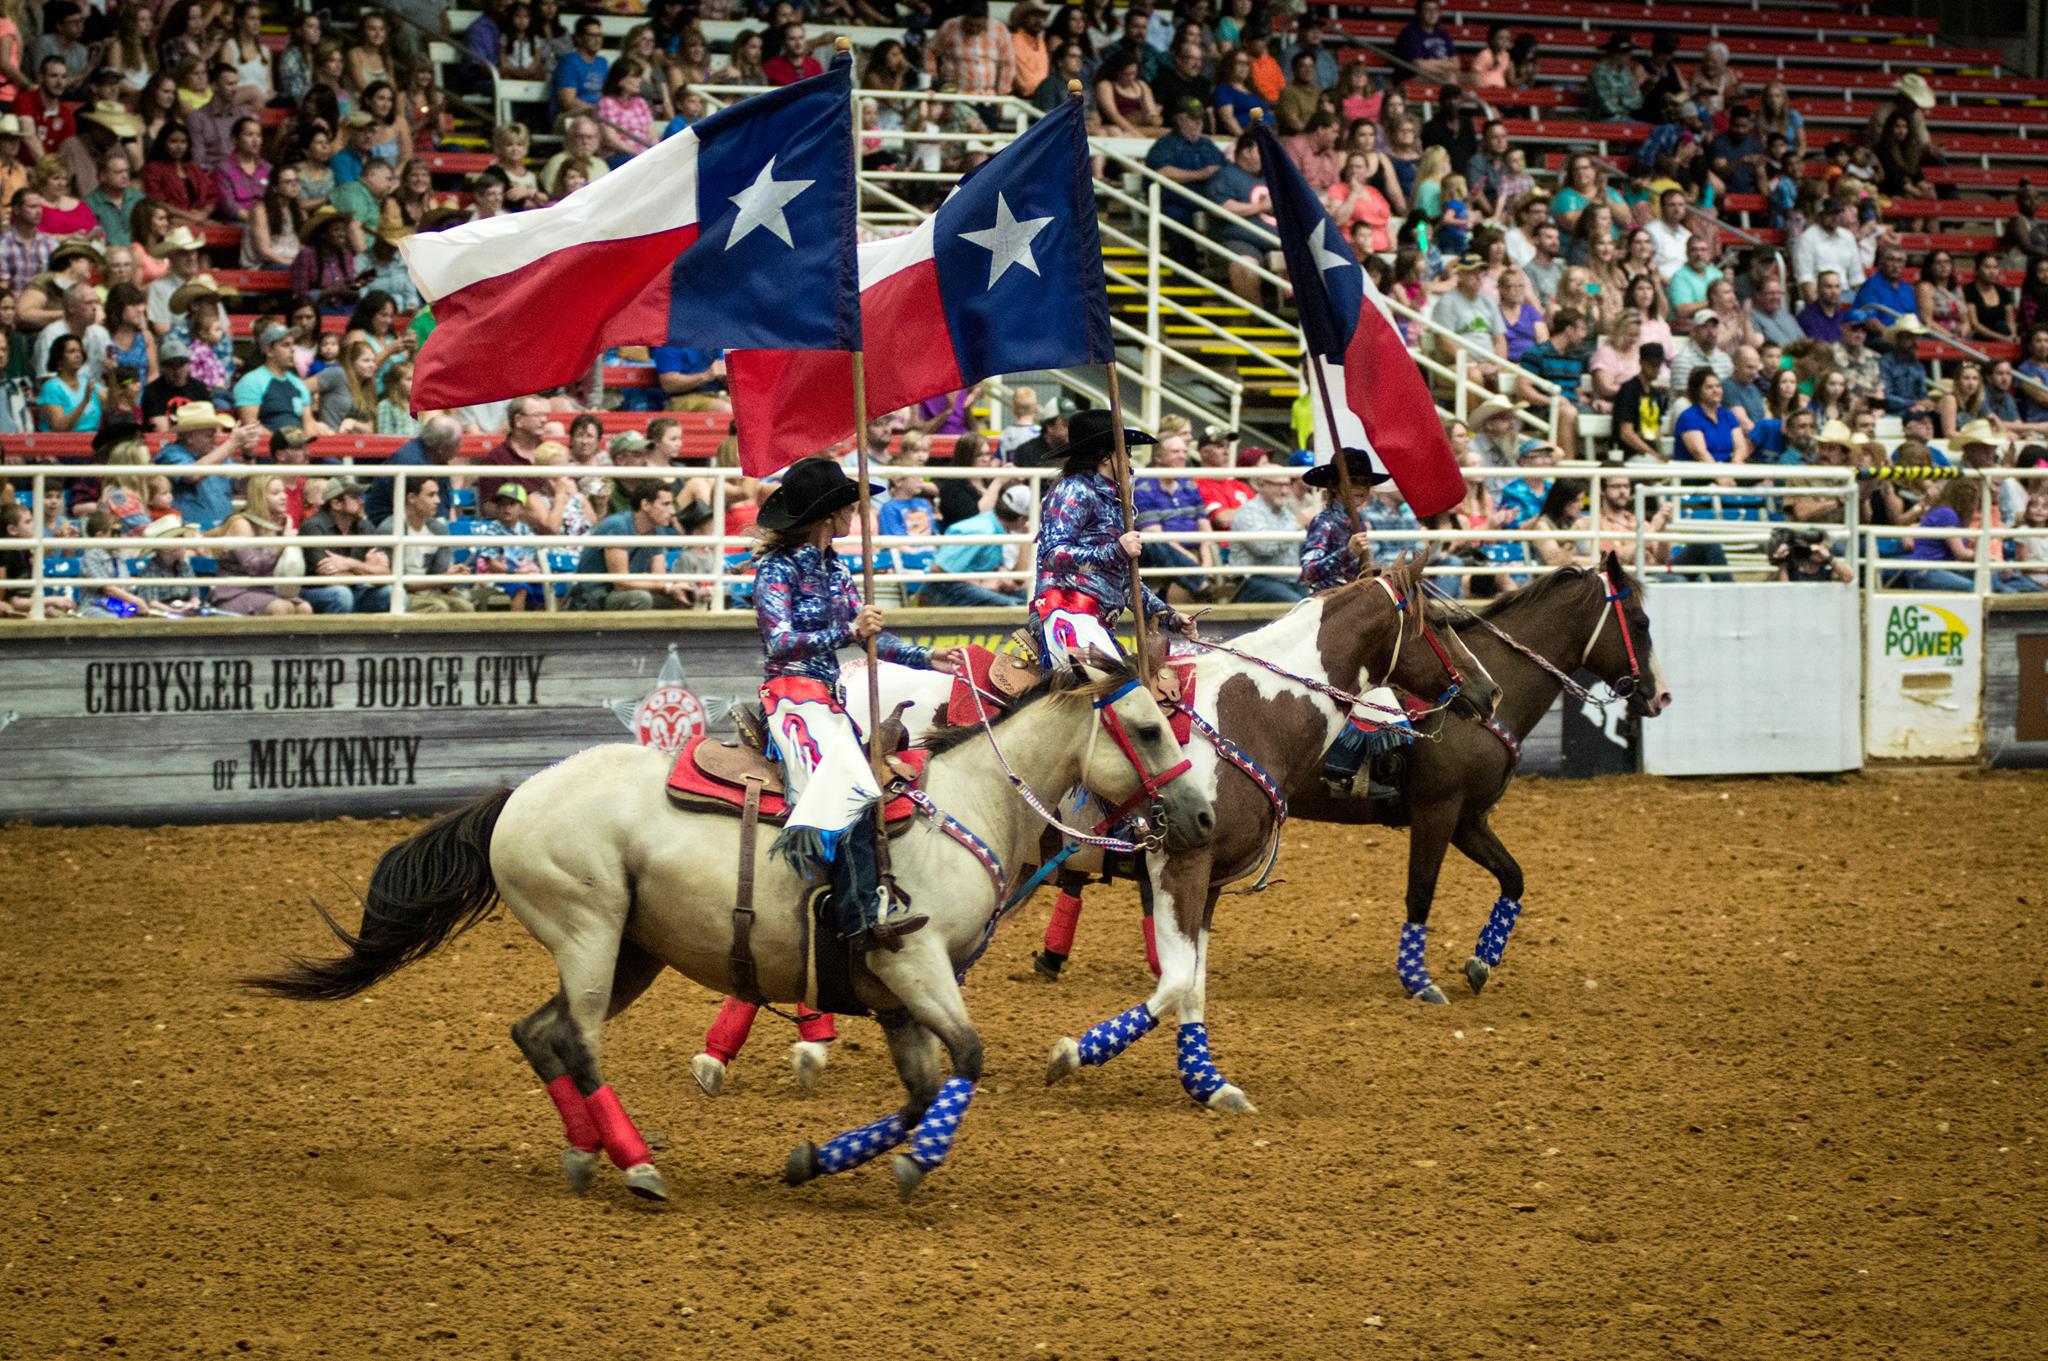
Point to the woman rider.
(808, 608)
(1335, 552)
(1084, 551)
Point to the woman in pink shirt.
(625, 123)
(1490, 65)
(241, 179)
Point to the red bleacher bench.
(256, 281)
(458, 162)
(222, 235)
(1974, 209)
(1607, 14)
(1838, 81)
(1571, 130)
(1981, 176)
(1904, 56)
(1943, 350)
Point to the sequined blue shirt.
(804, 602)
(1078, 550)
(1326, 559)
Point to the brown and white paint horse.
(1338, 639)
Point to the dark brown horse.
(1459, 767)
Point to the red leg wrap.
(815, 1025)
(1151, 948)
(622, 1142)
(1059, 932)
(575, 1111)
(728, 1034)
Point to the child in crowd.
(1454, 230)
(504, 517)
(1517, 180)
(907, 510)
(1024, 422)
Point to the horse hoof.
(1477, 972)
(808, 1057)
(579, 1165)
(644, 1180)
(1064, 1059)
(1047, 965)
(909, 1176)
(802, 1165)
(1229, 1098)
(710, 1074)
(1434, 996)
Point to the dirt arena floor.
(1762, 1078)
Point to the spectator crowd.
(144, 145)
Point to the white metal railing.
(1702, 492)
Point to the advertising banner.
(1923, 676)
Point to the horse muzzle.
(1189, 815)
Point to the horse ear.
(1610, 567)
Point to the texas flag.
(1006, 276)
(1381, 402)
(737, 231)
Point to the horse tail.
(425, 890)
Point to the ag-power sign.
(1924, 677)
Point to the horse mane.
(942, 738)
(1524, 597)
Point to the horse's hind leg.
(588, 962)
(541, 1038)
(915, 1047)
(1477, 840)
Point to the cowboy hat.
(110, 115)
(437, 218)
(1357, 462)
(179, 238)
(68, 251)
(320, 220)
(1914, 86)
(164, 527)
(10, 125)
(811, 489)
(1979, 431)
(201, 286)
(200, 416)
(392, 233)
(1489, 409)
(1091, 437)
(1907, 325)
(1836, 432)
(338, 487)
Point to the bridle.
(1149, 783)
(1619, 689)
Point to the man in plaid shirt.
(24, 250)
(972, 53)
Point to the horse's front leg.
(915, 1048)
(1477, 840)
(1427, 839)
(921, 977)
(1199, 1076)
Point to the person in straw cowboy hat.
(102, 126)
(808, 607)
(197, 441)
(1900, 369)
(180, 248)
(326, 268)
(1084, 551)
(1982, 446)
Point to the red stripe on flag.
(910, 353)
(791, 404)
(1386, 392)
(544, 325)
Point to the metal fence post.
(399, 601)
(35, 550)
(1153, 370)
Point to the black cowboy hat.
(1091, 436)
(1356, 461)
(812, 489)
(114, 432)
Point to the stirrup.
(886, 935)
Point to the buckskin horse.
(594, 859)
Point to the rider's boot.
(1377, 724)
(864, 919)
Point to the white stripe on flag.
(880, 260)
(654, 192)
(1349, 428)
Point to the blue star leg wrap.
(1106, 1039)
(1198, 1076)
(1493, 937)
(1409, 962)
(857, 1146)
(932, 1140)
